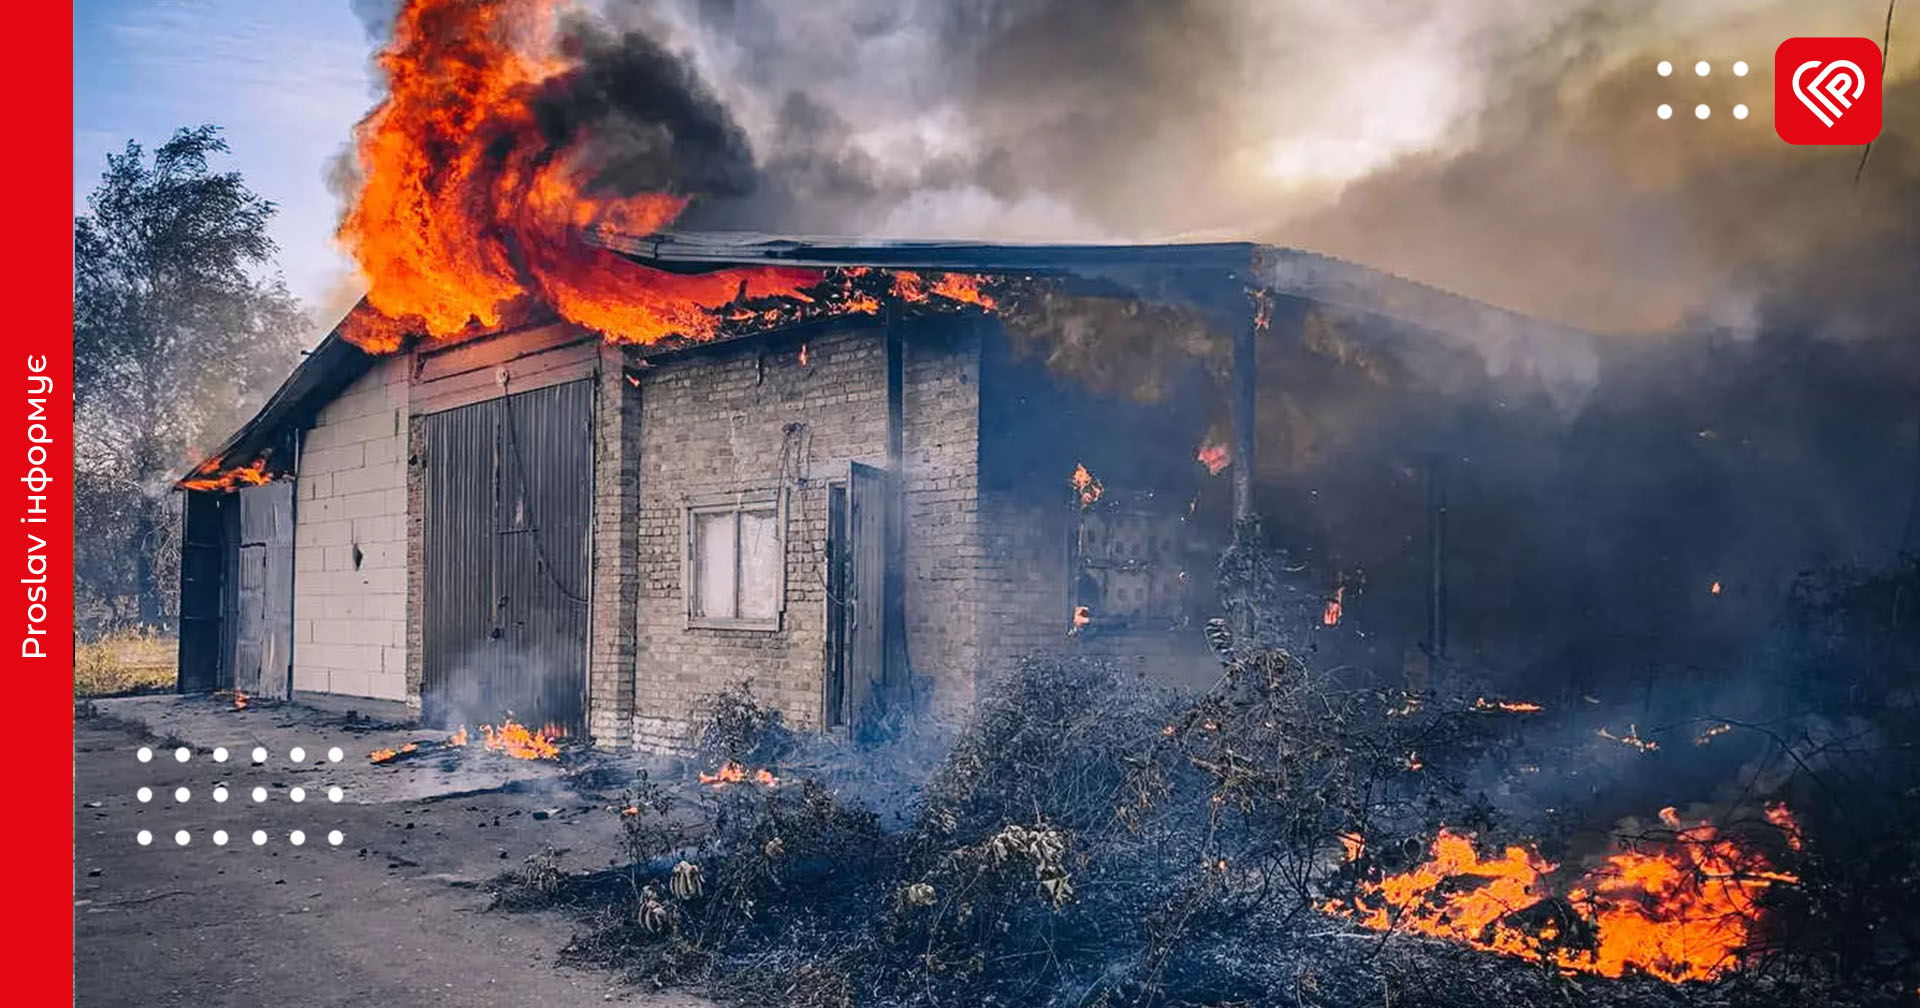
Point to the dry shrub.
(125, 661)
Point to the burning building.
(905, 465)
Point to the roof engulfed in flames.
(473, 208)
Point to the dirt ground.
(396, 914)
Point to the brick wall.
(752, 418)
(616, 561)
(350, 544)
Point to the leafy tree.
(181, 326)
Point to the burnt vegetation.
(1089, 840)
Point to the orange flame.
(1681, 908)
(473, 212)
(515, 740)
(1335, 606)
(1215, 457)
(1510, 706)
(1631, 738)
(1086, 486)
(210, 476)
(1082, 616)
(731, 772)
(458, 738)
(388, 755)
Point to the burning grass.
(1293, 836)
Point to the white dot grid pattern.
(1701, 111)
(221, 793)
(1664, 111)
(1702, 68)
(1664, 69)
(1739, 111)
(1739, 68)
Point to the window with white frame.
(735, 569)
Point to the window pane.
(759, 565)
(713, 566)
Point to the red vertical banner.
(36, 503)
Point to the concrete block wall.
(754, 419)
(350, 542)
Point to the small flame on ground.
(516, 740)
(388, 755)
(803, 355)
(731, 772)
(1714, 589)
(1510, 706)
(458, 738)
(1632, 738)
(1086, 486)
(1335, 607)
(1781, 817)
(1082, 616)
(1215, 457)
(1707, 735)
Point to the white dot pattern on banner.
(298, 794)
(334, 793)
(259, 794)
(219, 838)
(219, 754)
(183, 754)
(143, 838)
(1739, 68)
(259, 837)
(259, 754)
(334, 755)
(336, 837)
(181, 795)
(182, 838)
(1702, 68)
(220, 793)
(1665, 68)
(1664, 111)
(1701, 111)
(296, 838)
(298, 755)
(1739, 111)
(145, 794)
(145, 755)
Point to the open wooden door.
(856, 597)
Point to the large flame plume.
(1682, 906)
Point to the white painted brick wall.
(349, 620)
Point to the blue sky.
(287, 79)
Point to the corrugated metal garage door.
(509, 488)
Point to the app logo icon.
(1826, 90)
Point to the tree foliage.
(181, 326)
